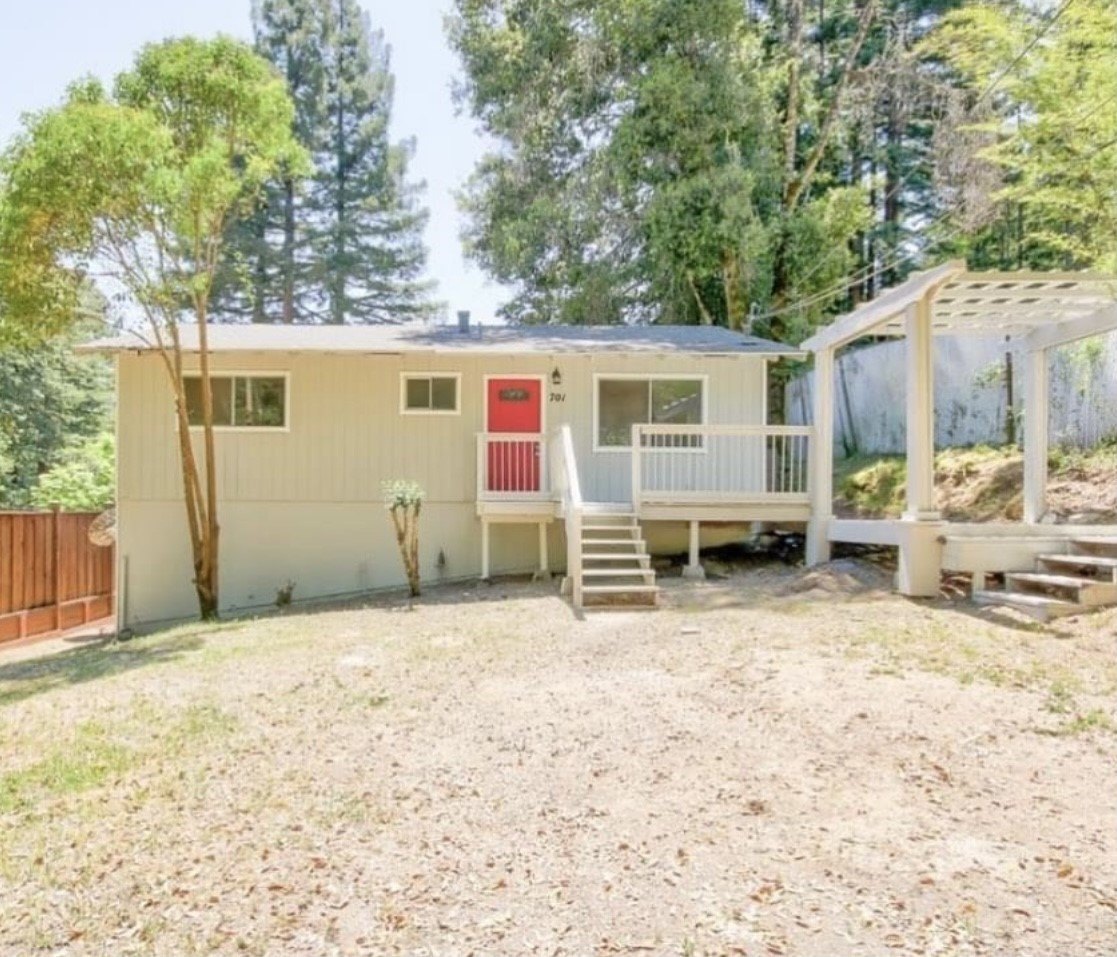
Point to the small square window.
(430, 393)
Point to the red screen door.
(515, 405)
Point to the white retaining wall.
(970, 394)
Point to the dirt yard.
(777, 763)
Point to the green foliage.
(402, 493)
(50, 401)
(1049, 129)
(141, 184)
(84, 480)
(349, 247)
(692, 162)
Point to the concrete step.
(1097, 563)
(1082, 591)
(1104, 545)
(1041, 607)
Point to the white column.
(821, 455)
(544, 572)
(484, 550)
(1035, 436)
(693, 568)
(920, 414)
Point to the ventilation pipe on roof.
(463, 321)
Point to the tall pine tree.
(365, 221)
(346, 246)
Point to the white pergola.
(1040, 310)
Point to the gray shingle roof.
(488, 339)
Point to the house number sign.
(558, 396)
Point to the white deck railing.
(511, 465)
(720, 463)
(568, 491)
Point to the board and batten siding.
(304, 504)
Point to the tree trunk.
(337, 266)
(288, 250)
(205, 560)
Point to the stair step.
(618, 573)
(1101, 562)
(1105, 545)
(614, 556)
(1038, 606)
(619, 589)
(610, 528)
(614, 541)
(1085, 591)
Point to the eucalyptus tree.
(138, 188)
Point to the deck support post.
(544, 572)
(1035, 436)
(821, 457)
(485, 533)
(693, 567)
(921, 527)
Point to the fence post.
(56, 526)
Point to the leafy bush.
(85, 479)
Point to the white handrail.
(724, 429)
(569, 490)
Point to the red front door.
(515, 405)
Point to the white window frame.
(249, 374)
(702, 377)
(405, 377)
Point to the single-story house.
(538, 447)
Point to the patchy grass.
(761, 766)
(87, 761)
(981, 483)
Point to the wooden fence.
(52, 578)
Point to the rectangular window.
(623, 403)
(429, 394)
(239, 401)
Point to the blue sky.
(44, 44)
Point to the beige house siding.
(303, 504)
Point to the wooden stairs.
(616, 569)
(1082, 579)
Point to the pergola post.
(920, 359)
(821, 453)
(1035, 435)
(920, 549)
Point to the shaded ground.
(984, 484)
(776, 763)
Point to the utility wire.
(872, 268)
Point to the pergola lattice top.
(1047, 308)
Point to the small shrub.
(404, 501)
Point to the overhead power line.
(867, 271)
